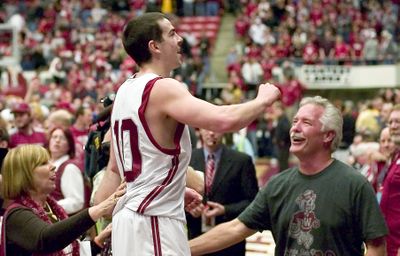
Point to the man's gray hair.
(331, 119)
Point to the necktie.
(210, 170)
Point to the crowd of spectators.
(74, 47)
(73, 53)
(287, 34)
(282, 35)
(72, 50)
(319, 32)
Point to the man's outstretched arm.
(220, 237)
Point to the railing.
(337, 76)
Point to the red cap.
(21, 107)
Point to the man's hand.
(211, 209)
(214, 209)
(197, 211)
(192, 199)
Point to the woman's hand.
(106, 207)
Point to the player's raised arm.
(177, 102)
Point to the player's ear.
(153, 46)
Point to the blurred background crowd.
(69, 57)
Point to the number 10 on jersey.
(128, 154)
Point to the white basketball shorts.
(140, 235)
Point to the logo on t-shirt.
(301, 225)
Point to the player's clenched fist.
(268, 92)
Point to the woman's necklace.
(50, 213)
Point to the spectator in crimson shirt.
(242, 25)
(253, 51)
(251, 8)
(316, 13)
(391, 188)
(310, 53)
(356, 49)
(25, 133)
(292, 92)
(282, 49)
(291, 89)
(267, 65)
(341, 51)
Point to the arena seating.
(197, 24)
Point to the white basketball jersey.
(156, 176)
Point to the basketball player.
(150, 144)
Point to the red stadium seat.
(198, 24)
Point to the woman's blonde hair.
(18, 167)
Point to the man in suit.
(281, 136)
(228, 191)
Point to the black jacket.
(234, 186)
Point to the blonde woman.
(34, 224)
